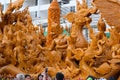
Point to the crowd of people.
(59, 76)
(42, 76)
(21, 76)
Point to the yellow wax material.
(53, 17)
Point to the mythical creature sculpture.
(25, 49)
(79, 20)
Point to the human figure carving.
(23, 47)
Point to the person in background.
(20, 76)
(102, 78)
(27, 77)
(46, 75)
(111, 78)
(90, 78)
(59, 76)
(40, 77)
(115, 77)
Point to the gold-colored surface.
(53, 22)
(110, 11)
(23, 46)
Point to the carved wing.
(110, 11)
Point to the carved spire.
(53, 18)
(54, 0)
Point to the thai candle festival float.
(25, 49)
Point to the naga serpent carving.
(25, 49)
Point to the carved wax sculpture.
(111, 17)
(53, 22)
(79, 20)
(23, 46)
